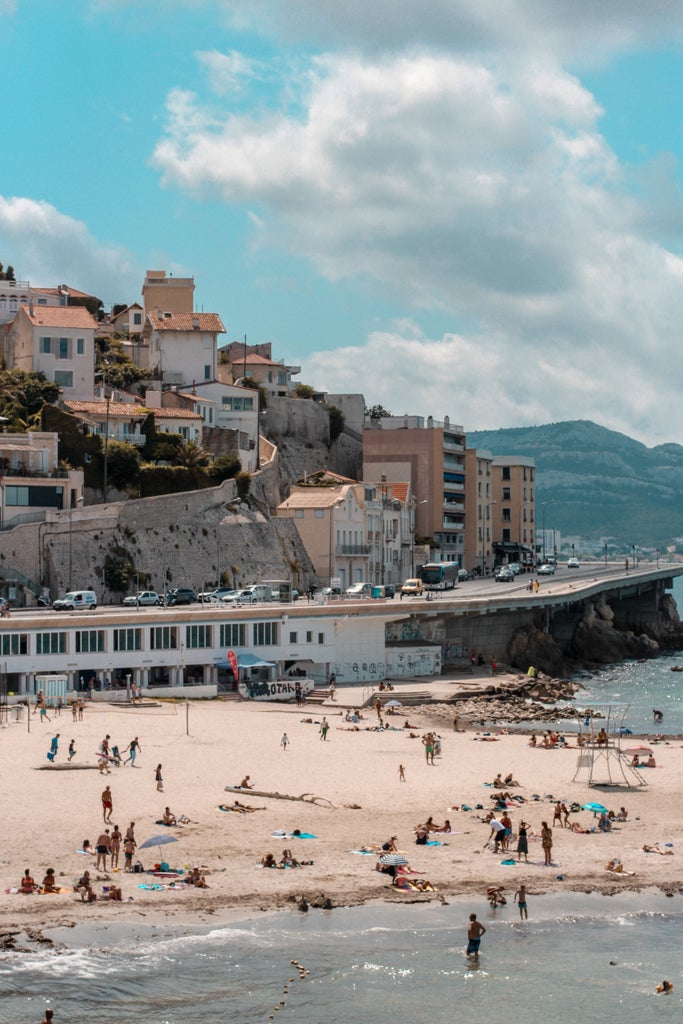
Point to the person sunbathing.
(288, 860)
(413, 884)
(84, 887)
(27, 885)
(446, 827)
(113, 894)
(498, 781)
(268, 861)
(49, 882)
(617, 867)
(245, 783)
(509, 780)
(197, 879)
(169, 817)
(655, 849)
(240, 808)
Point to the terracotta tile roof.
(256, 360)
(399, 491)
(117, 410)
(61, 316)
(126, 410)
(314, 497)
(175, 414)
(186, 321)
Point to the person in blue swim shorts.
(475, 931)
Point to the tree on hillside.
(7, 275)
(377, 412)
(23, 395)
(191, 455)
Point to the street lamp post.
(604, 549)
(486, 519)
(79, 501)
(553, 501)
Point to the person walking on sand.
(520, 900)
(401, 773)
(107, 805)
(547, 842)
(54, 747)
(116, 838)
(475, 932)
(333, 687)
(72, 750)
(132, 749)
(284, 741)
(324, 728)
(158, 778)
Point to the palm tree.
(192, 455)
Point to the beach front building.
(479, 504)
(172, 649)
(58, 341)
(431, 456)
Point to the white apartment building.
(58, 341)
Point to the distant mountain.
(606, 484)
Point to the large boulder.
(531, 646)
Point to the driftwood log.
(307, 798)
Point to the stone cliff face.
(597, 641)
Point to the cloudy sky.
(462, 207)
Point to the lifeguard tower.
(601, 757)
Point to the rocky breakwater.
(520, 700)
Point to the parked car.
(359, 590)
(143, 598)
(547, 569)
(412, 588)
(257, 592)
(211, 596)
(180, 595)
(463, 576)
(229, 597)
(573, 563)
(515, 568)
(76, 600)
(504, 574)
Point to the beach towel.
(434, 842)
(292, 835)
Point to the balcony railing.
(122, 435)
(352, 549)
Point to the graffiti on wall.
(454, 652)
(416, 662)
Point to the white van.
(76, 600)
(254, 594)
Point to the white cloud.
(580, 29)
(228, 72)
(481, 189)
(48, 248)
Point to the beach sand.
(47, 814)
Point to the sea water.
(578, 957)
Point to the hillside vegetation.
(606, 484)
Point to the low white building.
(31, 481)
(58, 341)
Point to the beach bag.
(50, 755)
(137, 868)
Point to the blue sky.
(465, 207)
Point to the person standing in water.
(475, 932)
(520, 900)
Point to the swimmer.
(666, 986)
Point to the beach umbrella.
(157, 841)
(397, 859)
(637, 751)
(595, 808)
(393, 704)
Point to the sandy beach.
(48, 813)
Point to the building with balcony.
(162, 292)
(431, 456)
(513, 480)
(31, 480)
(256, 363)
(479, 504)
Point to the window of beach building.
(198, 636)
(266, 634)
(233, 634)
(321, 638)
(293, 638)
(127, 639)
(89, 641)
(163, 638)
(309, 636)
(14, 643)
(50, 643)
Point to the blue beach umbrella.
(595, 808)
(157, 841)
